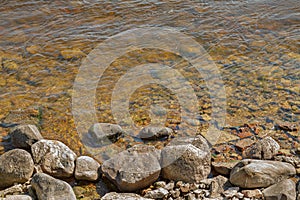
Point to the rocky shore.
(37, 168)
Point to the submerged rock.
(260, 173)
(101, 134)
(23, 136)
(16, 166)
(47, 187)
(263, 149)
(152, 132)
(54, 157)
(284, 190)
(86, 168)
(133, 169)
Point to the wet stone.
(23, 136)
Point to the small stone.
(170, 186)
(284, 190)
(153, 133)
(175, 193)
(224, 168)
(54, 157)
(47, 187)
(191, 196)
(160, 184)
(16, 166)
(122, 196)
(23, 136)
(74, 53)
(86, 169)
(185, 188)
(263, 149)
(157, 194)
(231, 192)
(252, 193)
(260, 173)
(218, 185)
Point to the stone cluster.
(38, 168)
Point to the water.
(255, 45)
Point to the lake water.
(254, 44)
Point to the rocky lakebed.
(187, 168)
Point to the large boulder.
(186, 162)
(16, 166)
(86, 169)
(101, 134)
(123, 196)
(153, 132)
(54, 158)
(47, 187)
(133, 169)
(260, 173)
(23, 136)
(263, 149)
(284, 190)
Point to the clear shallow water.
(254, 44)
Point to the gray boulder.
(86, 169)
(284, 190)
(185, 162)
(133, 169)
(152, 132)
(101, 134)
(23, 136)
(54, 158)
(16, 166)
(49, 188)
(123, 196)
(263, 149)
(260, 173)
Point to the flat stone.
(263, 149)
(16, 166)
(101, 134)
(86, 169)
(23, 136)
(157, 194)
(18, 197)
(133, 169)
(123, 196)
(186, 163)
(284, 190)
(224, 168)
(256, 193)
(260, 173)
(47, 187)
(153, 133)
(54, 158)
(244, 143)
